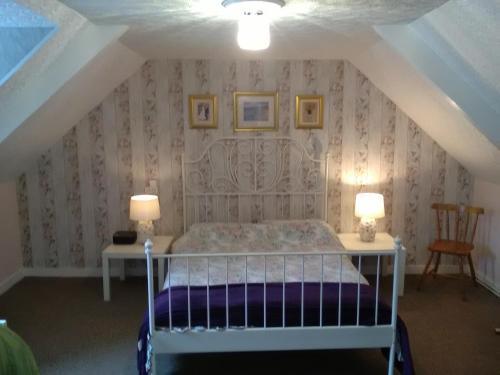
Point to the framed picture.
(255, 111)
(203, 111)
(309, 112)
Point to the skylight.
(22, 33)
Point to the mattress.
(307, 236)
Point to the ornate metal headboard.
(253, 179)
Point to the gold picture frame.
(309, 112)
(255, 111)
(203, 111)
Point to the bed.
(259, 268)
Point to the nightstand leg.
(161, 273)
(122, 269)
(105, 278)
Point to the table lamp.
(369, 206)
(144, 209)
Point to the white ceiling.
(472, 30)
(203, 28)
(465, 35)
(68, 22)
(69, 74)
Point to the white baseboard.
(11, 281)
(453, 269)
(79, 272)
(489, 284)
(63, 272)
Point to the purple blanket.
(274, 307)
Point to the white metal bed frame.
(258, 170)
(206, 184)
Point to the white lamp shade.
(369, 205)
(144, 207)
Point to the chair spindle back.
(460, 217)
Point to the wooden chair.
(460, 243)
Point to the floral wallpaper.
(98, 179)
(73, 199)
(387, 158)
(133, 142)
(22, 201)
(124, 151)
(47, 206)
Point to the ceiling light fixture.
(254, 18)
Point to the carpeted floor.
(72, 331)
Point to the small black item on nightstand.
(124, 237)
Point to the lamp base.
(145, 230)
(367, 230)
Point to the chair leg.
(436, 266)
(462, 276)
(429, 261)
(472, 271)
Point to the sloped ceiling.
(22, 32)
(204, 29)
(73, 71)
(430, 107)
(466, 35)
(17, 45)
(83, 90)
(471, 29)
(451, 55)
(68, 22)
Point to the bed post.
(183, 171)
(148, 249)
(325, 214)
(394, 307)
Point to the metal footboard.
(217, 338)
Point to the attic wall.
(77, 194)
(487, 252)
(10, 246)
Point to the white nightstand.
(161, 244)
(383, 241)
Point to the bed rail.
(211, 338)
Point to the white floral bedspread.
(306, 236)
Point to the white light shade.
(144, 207)
(253, 32)
(254, 17)
(369, 205)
